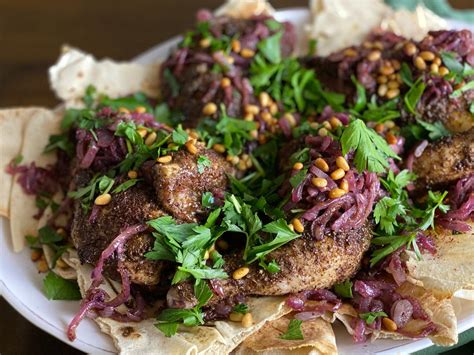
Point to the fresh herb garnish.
(427, 215)
(370, 317)
(203, 162)
(435, 130)
(270, 48)
(172, 82)
(179, 135)
(465, 87)
(48, 236)
(361, 97)
(344, 289)
(294, 331)
(57, 288)
(413, 95)
(241, 308)
(207, 199)
(371, 150)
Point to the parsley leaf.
(270, 48)
(413, 95)
(390, 244)
(435, 201)
(361, 97)
(344, 289)
(298, 178)
(57, 288)
(203, 162)
(465, 87)
(241, 308)
(172, 82)
(294, 331)
(370, 317)
(125, 185)
(386, 212)
(179, 135)
(272, 267)
(371, 150)
(207, 199)
(435, 130)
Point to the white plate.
(21, 285)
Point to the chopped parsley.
(370, 317)
(48, 236)
(371, 150)
(413, 95)
(203, 162)
(57, 288)
(241, 308)
(294, 331)
(207, 199)
(344, 289)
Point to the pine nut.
(420, 63)
(247, 320)
(103, 199)
(379, 128)
(319, 182)
(123, 110)
(393, 84)
(323, 132)
(164, 159)
(219, 148)
(209, 109)
(382, 79)
(254, 134)
(235, 44)
(36, 255)
(350, 52)
(341, 162)
(236, 317)
(374, 55)
(298, 166)
(273, 108)
(434, 68)
(338, 174)
(132, 174)
(382, 90)
(150, 139)
(290, 119)
(247, 53)
(191, 148)
(142, 132)
(253, 109)
(206, 255)
(396, 64)
(321, 164)
(389, 124)
(140, 109)
(443, 71)
(205, 43)
(335, 122)
(409, 49)
(344, 185)
(427, 55)
(240, 273)
(267, 117)
(389, 324)
(386, 70)
(336, 193)
(390, 138)
(437, 61)
(297, 225)
(225, 82)
(61, 264)
(392, 93)
(264, 99)
(42, 265)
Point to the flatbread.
(12, 126)
(39, 126)
(318, 335)
(337, 24)
(245, 8)
(450, 269)
(76, 70)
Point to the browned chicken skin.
(179, 185)
(445, 161)
(304, 264)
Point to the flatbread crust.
(76, 70)
(245, 8)
(40, 124)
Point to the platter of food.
(293, 181)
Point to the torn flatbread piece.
(245, 8)
(318, 336)
(41, 124)
(76, 70)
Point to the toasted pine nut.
(205, 42)
(253, 109)
(321, 164)
(298, 166)
(437, 61)
(103, 199)
(123, 110)
(344, 185)
(335, 122)
(273, 108)
(427, 55)
(382, 90)
(191, 147)
(420, 63)
(247, 53)
(150, 139)
(322, 132)
(379, 127)
(297, 225)
(390, 138)
(443, 71)
(386, 70)
(409, 49)
(240, 273)
(389, 324)
(374, 55)
(382, 79)
(61, 264)
(247, 320)
(42, 265)
(165, 159)
(236, 317)
(209, 109)
(341, 162)
(434, 68)
(350, 52)
(264, 99)
(336, 193)
(338, 174)
(392, 93)
(140, 109)
(219, 148)
(225, 82)
(36, 255)
(236, 47)
(319, 182)
(132, 174)
(290, 118)
(142, 132)
(393, 84)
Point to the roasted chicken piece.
(445, 161)
(305, 264)
(91, 235)
(181, 183)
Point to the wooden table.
(31, 33)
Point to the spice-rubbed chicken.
(181, 183)
(92, 235)
(304, 264)
(445, 161)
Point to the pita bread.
(40, 125)
(12, 126)
(76, 70)
(318, 335)
(245, 8)
(450, 269)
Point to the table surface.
(31, 33)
